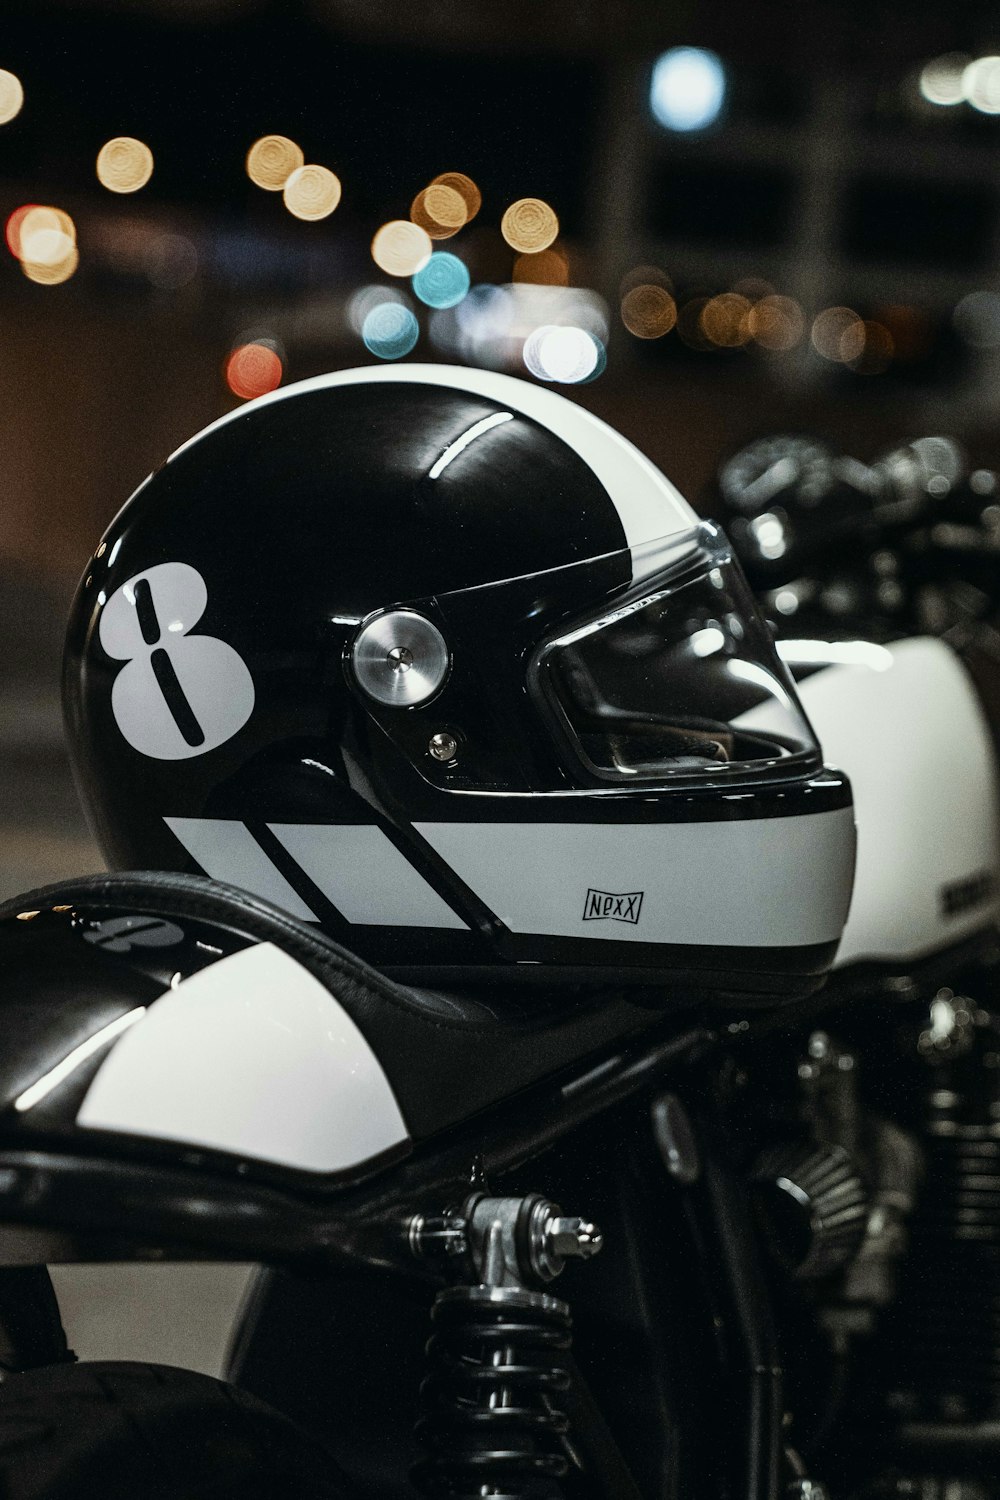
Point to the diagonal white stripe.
(227, 850)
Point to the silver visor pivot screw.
(400, 658)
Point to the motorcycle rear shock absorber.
(492, 1423)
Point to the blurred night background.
(769, 217)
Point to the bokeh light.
(602, 361)
(272, 160)
(544, 268)
(361, 302)
(529, 225)
(52, 273)
(482, 329)
(46, 247)
(725, 320)
(44, 240)
(977, 319)
(490, 326)
(439, 210)
(43, 235)
(574, 306)
(648, 311)
(688, 88)
(852, 341)
(312, 193)
(124, 165)
(390, 330)
(981, 85)
(836, 330)
(941, 80)
(776, 323)
(401, 248)
(566, 355)
(12, 231)
(253, 370)
(443, 282)
(11, 95)
(466, 189)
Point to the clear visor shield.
(677, 677)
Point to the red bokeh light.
(253, 370)
(12, 233)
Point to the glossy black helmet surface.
(436, 659)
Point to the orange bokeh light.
(544, 268)
(648, 310)
(272, 160)
(253, 370)
(529, 225)
(724, 320)
(776, 323)
(124, 164)
(53, 272)
(440, 210)
(466, 188)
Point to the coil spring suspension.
(490, 1423)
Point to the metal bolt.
(431, 1237)
(400, 659)
(443, 746)
(572, 1237)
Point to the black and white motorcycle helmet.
(436, 659)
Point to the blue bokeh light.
(390, 330)
(443, 281)
(688, 88)
(602, 362)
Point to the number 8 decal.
(179, 694)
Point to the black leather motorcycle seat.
(447, 1055)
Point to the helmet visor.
(677, 677)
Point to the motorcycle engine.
(876, 1177)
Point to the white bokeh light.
(941, 79)
(977, 319)
(361, 302)
(688, 88)
(566, 355)
(981, 85)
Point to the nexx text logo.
(601, 906)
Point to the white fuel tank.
(906, 725)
